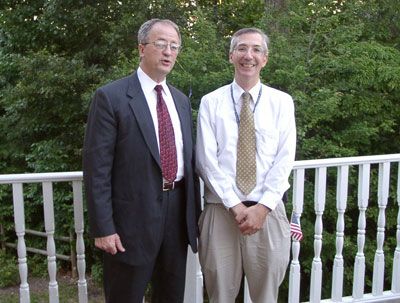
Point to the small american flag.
(295, 228)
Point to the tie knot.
(158, 88)
(246, 97)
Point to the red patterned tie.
(169, 162)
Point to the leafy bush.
(37, 265)
(8, 270)
(97, 273)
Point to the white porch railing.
(194, 285)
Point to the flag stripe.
(295, 228)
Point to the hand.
(238, 212)
(111, 244)
(254, 218)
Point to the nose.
(167, 50)
(249, 53)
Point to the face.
(248, 57)
(156, 62)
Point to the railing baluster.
(359, 263)
(319, 206)
(294, 275)
(320, 167)
(48, 207)
(19, 219)
(194, 276)
(194, 282)
(80, 245)
(341, 202)
(379, 260)
(396, 257)
(246, 291)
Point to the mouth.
(166, 62)
(247, 65)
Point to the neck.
(246, 84)
(158, 78)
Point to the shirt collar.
(147, 83)
(238, 91)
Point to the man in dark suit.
(142, 193)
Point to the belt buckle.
(172, 184)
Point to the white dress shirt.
(217, 135)
(148, 85)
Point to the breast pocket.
(267, 143)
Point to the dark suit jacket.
(122, 172)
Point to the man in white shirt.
(245, 230)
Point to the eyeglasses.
(256, 50)
(162, 45)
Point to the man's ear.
(141, 50)
(265, 60)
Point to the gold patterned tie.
(246, 166)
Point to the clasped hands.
(250, 219)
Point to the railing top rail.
(304, 164)
(41, 177)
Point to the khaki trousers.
(225, 254)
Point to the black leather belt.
(249, 203)
(172, 185)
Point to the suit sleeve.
(98, 156)
(196, 178)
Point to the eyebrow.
(245, 44)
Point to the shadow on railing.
(194, 283)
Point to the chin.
(166, 69)
(248, 73)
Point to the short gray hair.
(248, 30)
(146, 27)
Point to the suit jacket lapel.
(141, 111)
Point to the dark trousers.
(127, 284)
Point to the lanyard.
(255, 105)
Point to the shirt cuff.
(270, 200)
(230, 200)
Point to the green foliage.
(340, 71)
(8, 270)
(37, 265)
(97, 273)
(345, 84)
(340, 60)
(202, 66)
(46, 111)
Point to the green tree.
(340, 60)
(345, 83)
